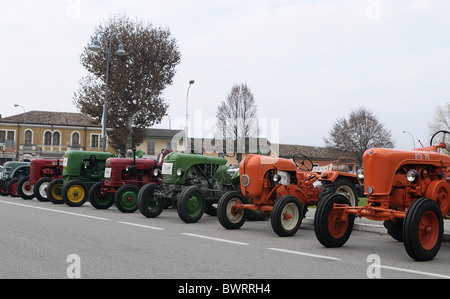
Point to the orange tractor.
(408, 190)
(284, 189)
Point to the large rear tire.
(423, 229)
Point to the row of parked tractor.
(407, 190)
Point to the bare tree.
(360, 132)
(237, 115)
(136, 82)
(441, 120)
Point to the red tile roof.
(52, 118)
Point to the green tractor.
(192, 183)
(81, 170)
(11, 174)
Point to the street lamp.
(23, 146)
(414, 143)
(120, 52)
(187, 100)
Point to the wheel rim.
(234, 215)
(43, 189)
(14, 189)
(128, 199)
(194, 205)
(336, 226)
(443, 200)
(99, 199)
(56, 192)
(153, 203)
(290, 216)
(75, 193)
(27, 188)
(347, 192)
(428, 230)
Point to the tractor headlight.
(412, 176)
(360, 173)
(276, 178)
(180, 172)
(156, 172)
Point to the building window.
(151, 147)
(95, 141)
(56, 138)
(48, 138)
(28, 137)
(75, 139)
(6, 135)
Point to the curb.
(373, 228)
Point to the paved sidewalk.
(363, 224)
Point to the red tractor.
(408, 190)
(283, 188)
(124, 177)
(42, 172)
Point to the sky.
(308, 63)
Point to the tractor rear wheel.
(40, 189)
(25, 189)
(331, 226)
(191, 205)
(286, 216)
(99, 201)
(75, 193)
(423, 229)
(126, 198)
(150, 205)
(229, 217)
(54, 191)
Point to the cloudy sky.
(307, 62)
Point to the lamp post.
(187, 114)
(414, 143)
(120, 52)
(23, 146)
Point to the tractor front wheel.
(40, 189)
(99, 201)
(25, 189)
(230, 217)
(423, 229)
(149, 205)
(331, 225)
(191, 205)
(74, 193)
(12, 187)
(126, 198)
(287, 216)
(54, 190)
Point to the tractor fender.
(332, 176)
(439, 191)
(14, 174)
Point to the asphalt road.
(47, 241)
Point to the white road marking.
(52, 210)
(215, 239)
(306, 254)
(413, 271)
(140, 225)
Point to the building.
(48, 135)
(159, 139)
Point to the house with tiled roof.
(48, 134)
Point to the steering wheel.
(441, 136)
(305, 163)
